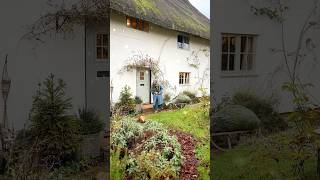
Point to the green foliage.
(90, 123)
(118, 164)
(56, 132)
(182, 98)
(167, 97)
(53, 137)
(264, 108)
(235, 118)
(137, 100)
(193, 119)
(126, 101)
(266, 157)
(152, 151)
(192, 96)
(125, 131)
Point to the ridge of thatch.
(179, 15)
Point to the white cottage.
(247, 48)
(168, 31)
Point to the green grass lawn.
(193, 120)
(260, 159)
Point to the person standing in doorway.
(157, 92)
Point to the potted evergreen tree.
(91, 127)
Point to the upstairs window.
(183, 42)
(184, 78)
(238, 53)
(137, 24)
(102, 46)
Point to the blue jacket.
(158, 97)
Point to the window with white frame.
(101, 46)
(238, 53)
(183, 42)
(184, 78)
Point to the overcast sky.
(203, 6)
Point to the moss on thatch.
(178, 15)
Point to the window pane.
(179, 38)
(231, 62)
(225, 44)
(224, 63)
(99, 53)
(105, 40)
(99, 40)
(105, 53)
(146, 26)
(187, 78)
(128, 22)
(251, 44)
(134, 23)
(141, 75)
(243, 43)
(232, 44)
(243, 62)
(250, 62)
(185, 39)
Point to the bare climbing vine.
(62, 16)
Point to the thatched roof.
(178, 15)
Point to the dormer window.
(183, 42)
(138, 24)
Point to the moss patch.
(144, 6)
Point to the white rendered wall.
(230, 16)
(29, 65)
(126, 42)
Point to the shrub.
(166, 98)
(235, 118)
(182, 98)
(53, 130)
(137, 100)
(192, 96)
(152, 151)
(264, 108)
(126, 102)
(90, 123)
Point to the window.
(137, 24)
(238, 52)
(184, 78)
(101, 46)
(103, 74)
(141, 75)
(183, 42)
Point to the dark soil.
(188, 146)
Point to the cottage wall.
(231, 16)
(30, 62)
(159, 43)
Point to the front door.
(143, 85)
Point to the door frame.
(150, 80)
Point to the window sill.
(184, 84)
(238, 74)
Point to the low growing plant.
(152, 151)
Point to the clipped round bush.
(264, 108)
(235, 118)
(182, 98)
(152, 151)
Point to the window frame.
(185, 41)
(102, 46)
(237, 55)
(140, 24)
(184, 78)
